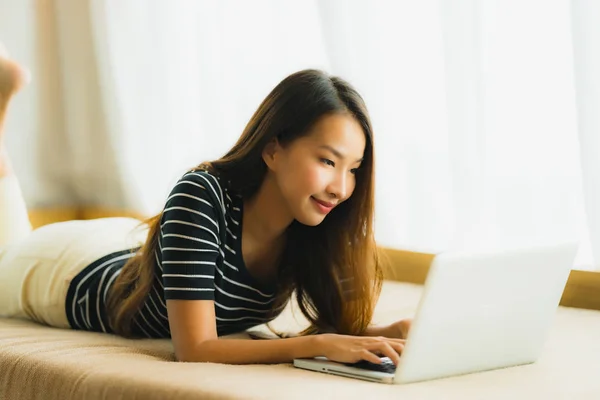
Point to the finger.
(369, 356)
(387, 350)
(401, 341)
(386, 339)
(395, 343)
(398, 347)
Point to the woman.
(287, 210)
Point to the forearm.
(241, 351)
(398, 330)
(378, 330)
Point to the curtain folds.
(485, 112)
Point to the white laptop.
(479, 311)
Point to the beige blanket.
(38, 362)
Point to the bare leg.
(14, 222)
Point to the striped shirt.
(199, 257)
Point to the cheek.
(313, 179)
(351, 186)
(297, 180)
(305, 180)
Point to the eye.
(328, 162)
(353, 171)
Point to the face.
(316, 172)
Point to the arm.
(240, 351)
(398, 330)
(194, 334)
(190, 251)
(189, 255)
(378, 330)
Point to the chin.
(310, 220)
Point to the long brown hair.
(333, 268)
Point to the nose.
(338, 188)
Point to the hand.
(351, 349)
(399, 329)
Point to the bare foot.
(12, 78)
(12, 75)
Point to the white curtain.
(485, 112)
(586, 50)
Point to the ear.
(270, 153)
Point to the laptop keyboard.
(386, 365)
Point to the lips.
(323, 206)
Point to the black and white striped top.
(199, 257)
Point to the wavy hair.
(332, 268)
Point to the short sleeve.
(189, 238)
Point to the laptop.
(479, 311)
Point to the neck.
(266, 217)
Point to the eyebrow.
(337, 153)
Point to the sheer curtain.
(485, 115)
(187, 77)
(586, 46)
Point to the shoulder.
(201, 184)
(204, 179)
(205, 187)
